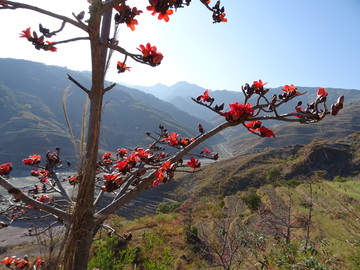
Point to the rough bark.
(82, 223)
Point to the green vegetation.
(252, 201)
(113, 253)
(166, 207)
(185, 239)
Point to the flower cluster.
(218, 13)
(126, 14)
(23, 263)
(38, 42)
(312, 112)
(150, 55)
(256, 88)
(242, 112)
(165, 173)
(173, 139)
(126, 165)
(112, 182)
(126, 169)
(42, 174)
(164, 7)
(238, 111)
(33, 160)
(290, 91)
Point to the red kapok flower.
(44, 198)
(322, 92)
(122, 67)
(205, 97)
(194, 163)
(237, 110)
(26, 33)
(122, 152)
(38, 262)
(142, 154)
(50, 47)
(289, 88)
(172, 139)
(166, 165)
(266, 132)
(150, 54)
(112, 182)
(160, 177)
(122, 166)
(8, 260)
(115, 177)
(163, 10)
(32, 160)
(222, 17)
(259, 84)
(206, 151)
(253, 125)
(106, 155)
(5, 168)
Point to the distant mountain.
(180, 95)
(335, 127)
(32, 118)
(180, 89)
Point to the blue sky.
(305, 42)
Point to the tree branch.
(15, 5)
(79, 85)
(38, 205)
(109, 87)
(69, 40)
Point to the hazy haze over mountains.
(32, 119)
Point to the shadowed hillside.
(32, 118)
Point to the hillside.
(297, 162)
(215, 232)
(32, 118)
(328, 157)
(288, 134)
(192, 232)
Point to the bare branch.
(61, 187)
(109, 87)
(15, 5)
(136, 57)
(79, 85)
(69, 40)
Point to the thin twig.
(79, 85)
(46, 12)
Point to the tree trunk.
(82, 224)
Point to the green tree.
(273, 175)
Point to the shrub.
(252, 201)
(166, 207)
(341, 179)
